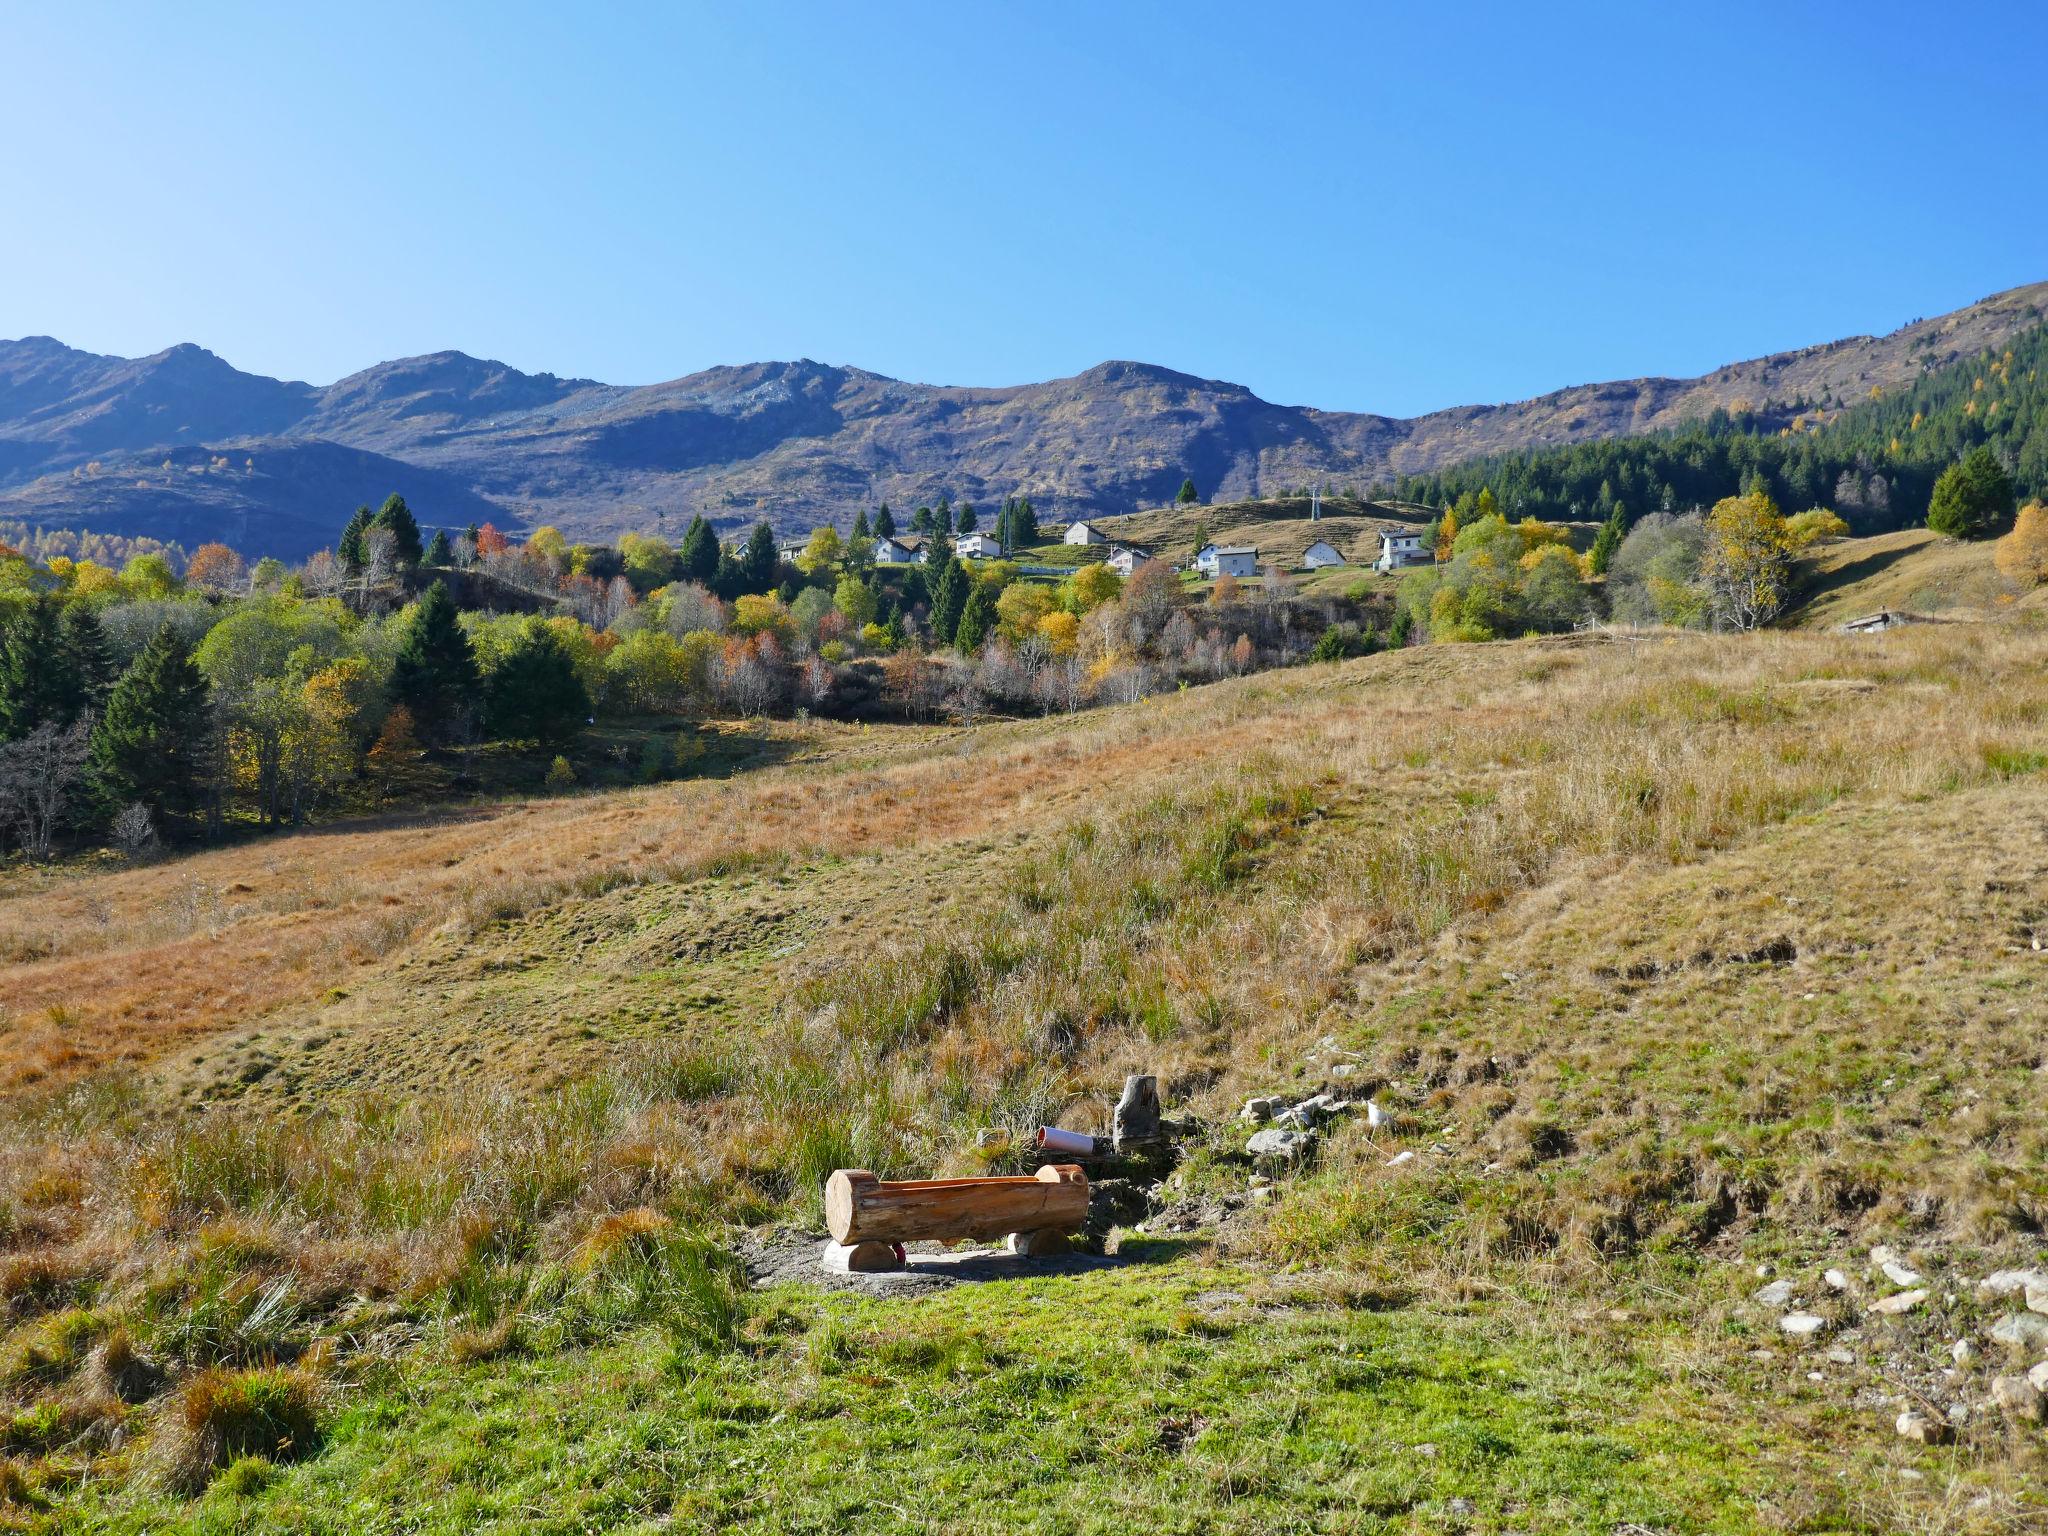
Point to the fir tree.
(948, 587)
(535, 694)
(860, 524)
(439, 552)
(757, 565)
(35, 688)
(977, 619)
(1188, 495)
(396, 519)
(434, 674)
(350, 550)
(1973, 499)
(885, 523)
(1609, 539)
(966, 520)
(153, 744)
(699, 555)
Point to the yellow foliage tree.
(1061, 632)
(1747, 564)
(2022, 555)
(1021, 606)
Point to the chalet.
(895, 552)
(979, 546)
(1214, 560)
(1125, 558)
(1084, 533)
(1319, 554)
(1401, 547)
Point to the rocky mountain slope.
(112, 443)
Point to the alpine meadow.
(792, 950)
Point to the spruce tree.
(948, 589)
(1973, 499)
(977, 619)
(860, 524)
(434, 674)
(1024, 525)
(396, 518)
(966, 520)
(153, 743)
(439, 552)
(699, 556)
(757, 565)
(1609, 539)
(89, 670)
(350, 550)
(34, 686)
(885, 523)
(534, 694)
(1188, 495)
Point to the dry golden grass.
(1915, 571)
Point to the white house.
(1084, 533)
(1214, 560)
(1124, 558)
(979, 546)
(1320, 554)
(1401, 547)
(894, 552)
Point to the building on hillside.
(1126, 558)
(1214, 560)
(1084, 533)
(789, 549)
(1401, 547)
(1321, 554)
(979, 546)
(895, 552)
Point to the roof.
(1239, 549)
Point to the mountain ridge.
(86, 438)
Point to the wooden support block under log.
(863, 1258)
(1036, 1245)
(861, 1208)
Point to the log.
(863, 1258)
(862, 1208)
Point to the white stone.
(1915, 1425)
(2017, 1398)
(2010, 1282)
(1837, 1281)
(1899, 1305)
(2039, 1376)
(1842, 1356)
(2037, 1297)
(1900, 1274)
(1399, 1158)
(1802, 1325)
(1962, 1351)
(1776, 1294)
(1259, 1110)
(1290, 1145)
(1881, 1255)
(2022, 1330)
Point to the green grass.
(1173, 1397)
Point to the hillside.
(1684, 963)
(801, 442)
(1912, 571)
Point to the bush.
(560, 774)
(1972, 499)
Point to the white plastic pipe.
(1075, 1143)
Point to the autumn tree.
(2022, 555)
(1746, 566)
(823, 550)
(215, 568)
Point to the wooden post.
(862, 1208)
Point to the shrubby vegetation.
(153, 702)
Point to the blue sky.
(1342, 205)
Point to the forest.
(1874, 461)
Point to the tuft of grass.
(222, 1416)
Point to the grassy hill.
(1684, 960)
(1913, 571)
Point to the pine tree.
(1188, 495)
(35, 688)
(350, 550)
(1609, 539)
(699, 556)
(1025, 524)
(921, 521)
(439, 551)
(885, 523)
(948, 587)
(396, 518)
(534, 694)
(153, 744)
(860, 524)
(966, 520)
(434, 674)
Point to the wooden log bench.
(870, 1219)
